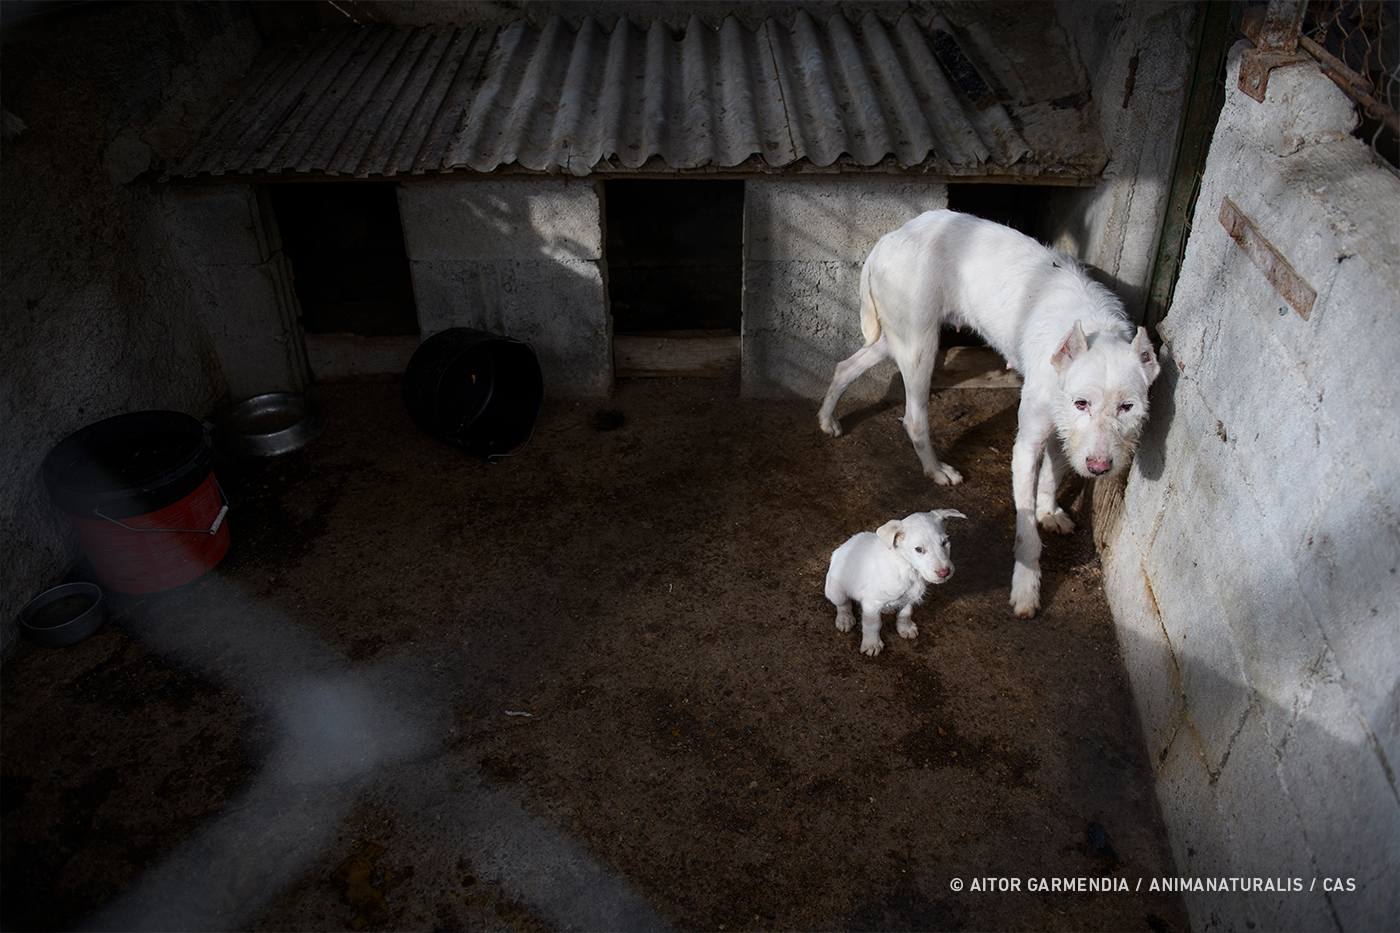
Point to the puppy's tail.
(869, 311)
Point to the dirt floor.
(595, 686)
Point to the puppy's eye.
(1125, 408)
(1082, 404)
(918, 550)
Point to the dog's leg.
(904, 624)
(1025, 462)
(870, 642)
(845, 619)
(1047, 510)
(916, 389)
(847, 372)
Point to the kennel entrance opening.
(675, 275)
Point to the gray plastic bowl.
(268, 425)
(64, 615)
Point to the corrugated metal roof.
(386, 101)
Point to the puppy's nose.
(942, 574)
(1099, 465)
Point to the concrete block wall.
(521, 258)
(242, 284)
(804, 244)
(1254, 572)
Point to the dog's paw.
(1057, 521)
(871, 646)
(907, 630)
(844, 621)
(1025, 591)
(944, 475)
(1025, 603)
(831, 426)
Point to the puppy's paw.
(1057, 521)
(831, 426)
(944, 475)
(844, 620)
(907, 630)
(871, 646)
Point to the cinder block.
(800, 320)
(243, 301)
(519, 219)
(256, 365)
(1346, 804)
(829, 220)
(216, 224)
(556, 307)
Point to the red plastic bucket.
(140, 492)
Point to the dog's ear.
(890, 532)
(1142, 346)
(948, 513)
(1075, 344)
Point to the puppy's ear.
(948, 513)
(890, 532)
(1142, 347)
(1075, 343)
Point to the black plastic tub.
(475, 390)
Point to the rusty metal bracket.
(1275, 36)
(1267, 259)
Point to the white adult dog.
(889, 568)
(1085, 374)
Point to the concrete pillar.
(805, 241)
(517, 257)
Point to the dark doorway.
(675, 255)
(1018, 206)
(345, 243)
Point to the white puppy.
(1085, 372)
(889, 569)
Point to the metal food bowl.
(64, 615)
(268, 425)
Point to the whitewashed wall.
(1255, 571)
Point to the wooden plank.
(675, 356)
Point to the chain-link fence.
(1357, 43)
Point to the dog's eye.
(918, 550)
(1125, 408)
(1082, 404)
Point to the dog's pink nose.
(1099, 465)
(943, 573)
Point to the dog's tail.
(869, 311)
